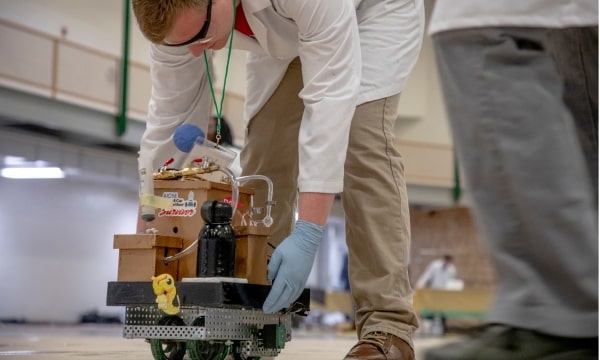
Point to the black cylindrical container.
(216, 241)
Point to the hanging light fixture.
(32, 173)
(20, 168)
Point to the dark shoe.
(381, 346)
(497, 342)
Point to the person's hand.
(290, 265)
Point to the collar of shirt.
(241, 24)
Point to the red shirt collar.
(241, 24)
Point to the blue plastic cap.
(186, 135)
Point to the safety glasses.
(200, 37)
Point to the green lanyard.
(219, 108)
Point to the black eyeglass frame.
(201, 35)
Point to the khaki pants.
(374, 200)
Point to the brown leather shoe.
(381, 346)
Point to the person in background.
(516, 141)
(324, 80)
(438, 274)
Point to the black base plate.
(209, 294)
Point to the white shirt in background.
(454, 15)
(438, 275)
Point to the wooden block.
(141, 256)
(251, 253)
(184, 220)
(145, 241)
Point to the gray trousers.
(575, 52)
(518, 147)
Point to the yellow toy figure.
(166, 294)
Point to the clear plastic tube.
(235, 192)
(235, 182)
(147, 212)
(267, 220)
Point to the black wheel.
(206, 350)
(237, 354)
(164, 349)
(240, 357)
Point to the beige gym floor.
(105, 341)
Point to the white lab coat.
(453, 15)
(437, 275)
(340, 70)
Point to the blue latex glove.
(290, 265)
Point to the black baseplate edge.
(209, 294)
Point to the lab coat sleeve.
(329, 49)
(180, 94)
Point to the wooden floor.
(92, 341)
